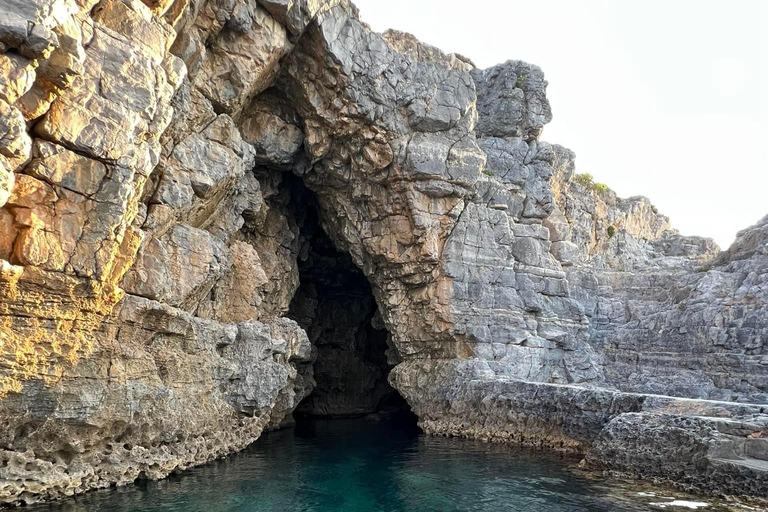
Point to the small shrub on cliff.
(585, 180)
(588, 182)
(521, 80)
(488, 173)
(611, 231)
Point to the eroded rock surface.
(669, 313)
(153, 247)
(146, 268)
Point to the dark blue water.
(359, 465)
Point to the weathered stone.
(559, 228)
(511, 100)
(7, 180)
(27, 26)
(240, 294)
(201, 169)
(702, 445)
(709, 451)
(567, 253)
(274, 140)
(294, 15)
(66, 169)
(180, 268)
(17, 75)
(15, 142)
(243, 59)
(116, 101)
(407, 44)
(660, 308)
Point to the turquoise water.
(360, 465)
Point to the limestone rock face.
(407, 44)
(668, 313)
(142, 324)
(512, 101)
(210, 209)
(395, 172)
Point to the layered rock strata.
(669, 313)
(154, 250)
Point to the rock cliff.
(211, 208)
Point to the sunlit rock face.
(146, 269)
(164, 299)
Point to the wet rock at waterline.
(385, 466)
(165, 296)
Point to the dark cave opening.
(335, 305)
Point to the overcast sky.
(662, 98)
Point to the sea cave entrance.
(335, 305)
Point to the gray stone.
(156, 229)
(567, 253)
(511, 100)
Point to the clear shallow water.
(359, 465)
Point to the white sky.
(662, 98)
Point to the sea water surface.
(362, 465)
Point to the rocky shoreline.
(212, 209)
(708, 447)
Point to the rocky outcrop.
(667, 312)
(181, 182)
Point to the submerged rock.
(153, 246)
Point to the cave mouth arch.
(334, 304)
